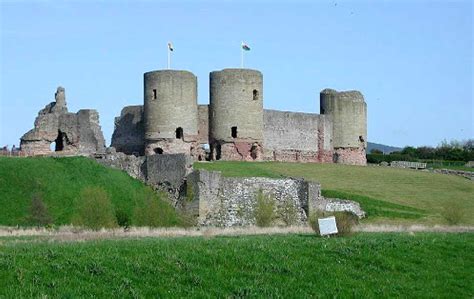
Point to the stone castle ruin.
(234, 126)
(158, 141)
(72, 133)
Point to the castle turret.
(349, 115)
(236, 114)
(170, 112)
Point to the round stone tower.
(236, 114)
(170, 112)
(348, 111)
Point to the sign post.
(327, 226)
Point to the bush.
(94, 209)
(453, 213)
(149, 213)
(264, 209)
(39, 214)
(344, 221)
(313, 221)
(123, 219)
(376, 151)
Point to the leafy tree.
(376, 151)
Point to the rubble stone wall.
(221, 201)
(133, 165)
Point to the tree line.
(454, 150)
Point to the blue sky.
(412, 60)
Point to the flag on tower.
(170, 47)
(245, 47)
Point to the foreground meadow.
(292, 266)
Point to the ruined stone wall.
(129, 133)
(162, 172)
(297, 137)
(134, 166)
(167, 169)
(222, 201)
(73, 133)
(339, 205)
(215, 200)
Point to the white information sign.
(327, 226)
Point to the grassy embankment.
(59, 182)
(387, 194)
(291, 266)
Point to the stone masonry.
(234, 126)
(216, 200)
(73, 133)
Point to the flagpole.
(241, 55)
(169, 58)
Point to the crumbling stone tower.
(236, 114)
(349, 117)
(170, 112)
(71, 133)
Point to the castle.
(234, 126)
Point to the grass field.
(393, 194)
(59, 182)
(290, 266)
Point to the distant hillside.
(59, 181)
(382, 147)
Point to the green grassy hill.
(59, 181)
(387, 194)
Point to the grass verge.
(296, 266)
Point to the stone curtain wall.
(168, 169)
(222, 201)
(203, 124)
(297, 137)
